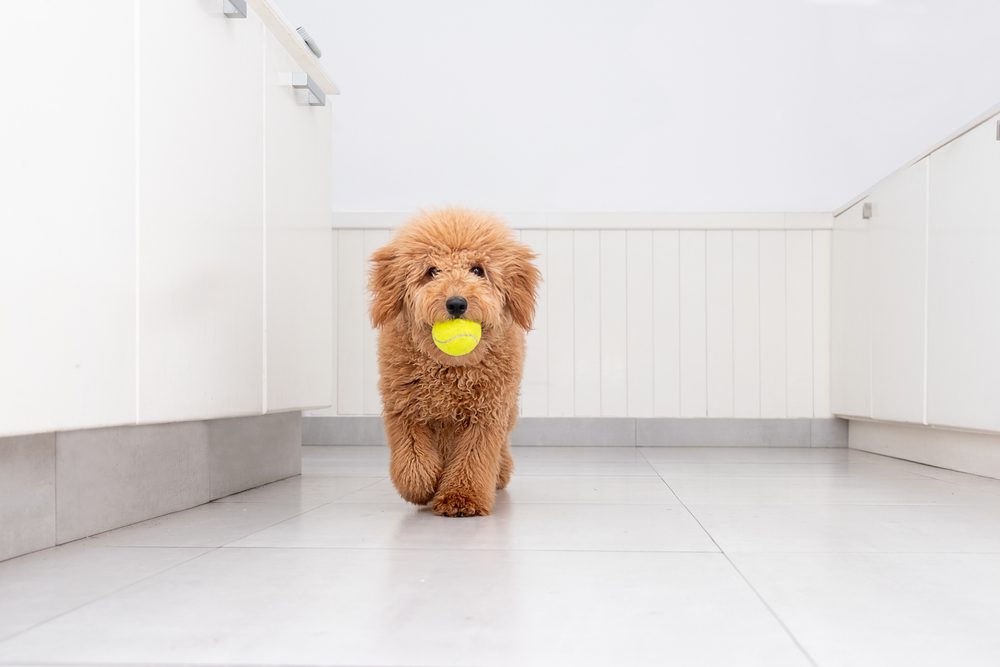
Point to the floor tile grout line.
(508, 550)
(296, 516)
(21, 663)
(742, 576)
(838, 505)
(204, 552)
(783, 552)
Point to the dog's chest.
(456, 394)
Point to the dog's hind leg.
(506, 467)
(506, 460)
(414, 459)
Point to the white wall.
(671, 322)
(640, 105)
(586, 122)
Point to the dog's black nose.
(456, 305)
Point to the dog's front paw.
(415, 494)
(456, 503)
(415, 482)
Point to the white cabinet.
(141, 188)
(897, 233)
(201, 212)
(299, 241)
(850, 342)
(915, 322)
(67, 218)
(963, 325)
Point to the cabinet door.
(897, 235)
(201, 211)
(299, 241)
(963, 324)
(67, 216)
(850, 390)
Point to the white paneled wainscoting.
(674, 316)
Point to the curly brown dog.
(448, 418)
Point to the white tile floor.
(615, 556)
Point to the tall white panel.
(335, 339)
(772, 325)
(897, 234)
(201, 212)
(298, 248)
(333, 409)
(666, 324)
(850, 342)
(67, 244)
(799, 324)
(374, 239)
(562, 378)
(639, 336)
(535, 385)
(821, 323)
(719, 319)
(746, 324)
(694, 399)
(614, 284)
(963, 323)
(353, 324)
(587, 323)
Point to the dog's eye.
(432, 272)
(478, 270)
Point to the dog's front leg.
(468, 485)
(414, 459)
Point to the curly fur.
(448, 418)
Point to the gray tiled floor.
(628, 556)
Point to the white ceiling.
(643, 105)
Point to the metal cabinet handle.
(302, 81)
(866, 211)
(234, 9)
(310, 42)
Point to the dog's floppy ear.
(521, 282)
(386, 286)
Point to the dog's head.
(454, 263)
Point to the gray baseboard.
(613, 431)
(58, 487)
(965, 451)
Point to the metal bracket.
(310, 42)
(302, 81)
(866, 210)
(234, 9)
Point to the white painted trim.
(608, 220)
(984, 117)
(276, 22)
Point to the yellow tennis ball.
(456, 337)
